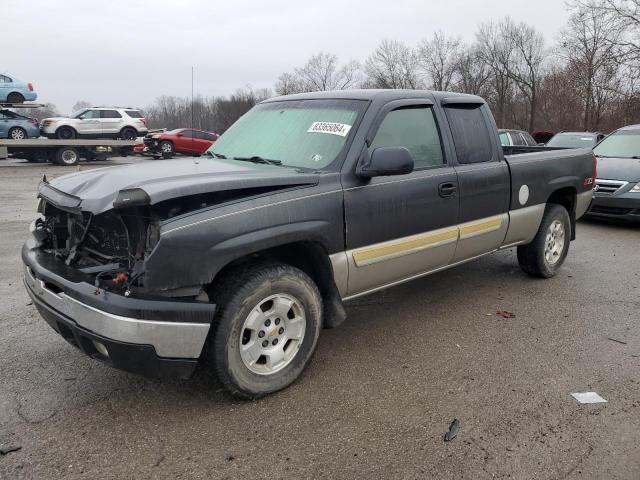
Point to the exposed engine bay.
(110, 246)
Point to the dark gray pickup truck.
(237, 259)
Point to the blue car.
(17, 127)
(13, 90)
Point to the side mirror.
(386, 161)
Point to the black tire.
(17, 133)
(128, 133)
(533, 257)
(67, 156)
(167, 148)
(15, 97)
(66, 133)
(244, 292)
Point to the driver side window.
(90, 114)
(416, 130)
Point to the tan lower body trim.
(480, 227)
(416, 243)
(404, 246)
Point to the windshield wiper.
(217, 155)
(258, 159)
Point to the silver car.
(97, 122)
(17, 127)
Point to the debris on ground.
(6, 450)
(453, 430)
(616, 340)
(229, 457)
(28, 303)
(588, 397)
(505, 314)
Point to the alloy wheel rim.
(166, 148)
(17, 135)
(272, 334)
(554, 242)
(69, 157)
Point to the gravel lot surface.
(379, 394)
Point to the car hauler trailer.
(64, 152)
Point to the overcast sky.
(132, 51)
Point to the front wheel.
(544, 256)
(167, 148)
(266, 329)
(66, 133)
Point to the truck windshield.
(300, 133)
(623, 144)
(572, 141)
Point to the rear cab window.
(471, 136)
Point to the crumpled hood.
(167, 179)
(624, 169)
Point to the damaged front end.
(109, 247)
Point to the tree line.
(585, 80)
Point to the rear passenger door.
(483, 179)
(110, 122)
(401, 226)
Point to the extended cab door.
(401, 226)
(483, 178)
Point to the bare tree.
(80, 104)
(322, 72)
(495, 52)
(474, 75)
(49, 110)
(589, 46)
(393, 65)
(528, 56)
(625, 14)
(439, 57)
(289, 83)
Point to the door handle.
(447, 189)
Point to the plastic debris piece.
(616, 340)
(453, 430)
(505, 314)
(588, 397)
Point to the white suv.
(97, 122)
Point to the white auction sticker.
(340, 129)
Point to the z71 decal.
(340, 129)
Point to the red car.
(182, 140)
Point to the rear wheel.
(15, 97)
(66, 133)
(266, 329)
(17, 133)
(67, 156)
(128, 133)
(544, 256)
